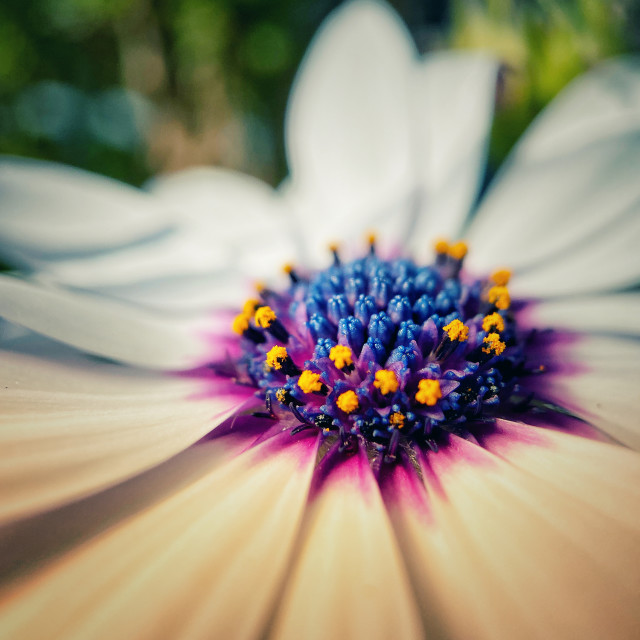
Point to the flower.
(141, 502)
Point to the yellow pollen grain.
(501, 277)
(250, 306)
(341, 356)
(309, 381)
(371, 237)
(493, 321)
(265, 317)
(240, 323)
(396, 420)
(429, 392)
(276, 356)
(281, 395)
(458, 250)
(386, 381)
(441, 246)
(348, 401)
(493, 344)
(499, 296)
(457, 330)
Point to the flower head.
(371, 448)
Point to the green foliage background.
(129, 88)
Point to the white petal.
(228, 226)
(619, 314)
(206, 562)
(517, 554)
(107, 328)
(347, 135)
(570, 177)
(597, 380)
(605, 262)
(48, 210)
(71, 426)
(349, 580)
(453, 99)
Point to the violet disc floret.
(385, 351)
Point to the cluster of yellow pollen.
(499, 296)
(309, 381)
(341, 356)
(348, 401)
(429, 392)
(386, 381)
(457, 330)
(441, 246)
(240, 323)
(396, 420)
(493, 321)
(281, 395)
(458, 250)
(493, 344)
(501, 277)
(264, 317)
(276, 356)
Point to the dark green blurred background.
(130, 88)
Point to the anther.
(279, 359)
(310, 382)
(266, 319)
(242, 327)
(458, 250)
(493, 321)
(457, 331)
(429, 392)
(397, 420)
(386, 381)
(342, 357)
(371, 239)
(499, 297)
(290, 271)
(347, 401)
(493, 344)
(333, 247)
(501, 277)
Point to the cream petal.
(347, 139)
(205, 562)
(111, 329)
(570, 176)
(349, 580)
(603, 263)
(617, 314)
(596, 378)
(50, 210)
(541, 211)
(453, 98)
(520, 556)
(70, 426)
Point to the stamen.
(276, 357)
(250, 306)
(493, 344)
(348, 401)
(386, 381)
(396, 420)
(265, 317)
(501, 277)
(309, 381)
(371, 239)
(429, 392)
(341, 356)
(493, 321)
(441, 246)
(240, 323)
(499, 297)
(333, 247)
(457, 331)
(458, 250)
(290, 271)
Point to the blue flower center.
(384, 350)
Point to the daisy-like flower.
(410, 442)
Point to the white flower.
(139, 503)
